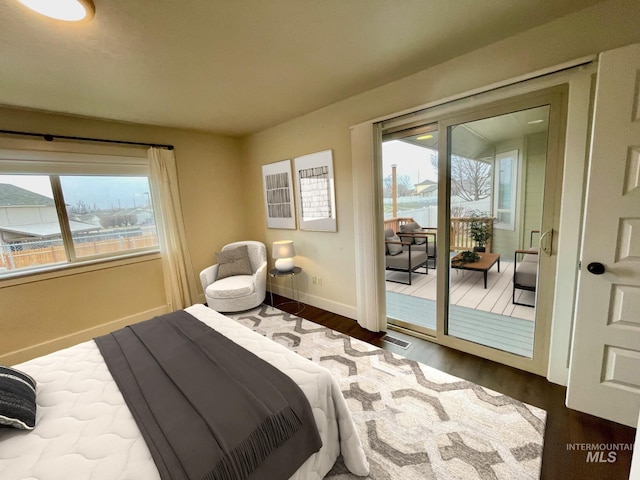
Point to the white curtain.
(367, 199)
(176, 262)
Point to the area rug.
(415, 422)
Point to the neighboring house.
(27, 216)
(427, 188)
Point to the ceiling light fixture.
(533, 122)
(424, 137)
(66, 10)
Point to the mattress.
(85, 430)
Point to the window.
(62, 208)
(505, 195)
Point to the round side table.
(275, 273)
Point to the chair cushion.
(231, 287)
(402, 261)
(233, 261)
(409, 227)
(394, 249)
(412, 227)
(526, 274)
(17, 399)
(418, 240)
(388, 233)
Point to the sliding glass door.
(410, 197)
(497, 173)
(481, 189)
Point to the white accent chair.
(239, 292)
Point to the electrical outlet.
(314, 280)
(319, 281)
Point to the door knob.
(596, 268)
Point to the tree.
(81, 208)
(403, 185)
(470, 179)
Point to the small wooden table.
(487, 260)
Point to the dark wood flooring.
(564, 428)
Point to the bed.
(84, 426)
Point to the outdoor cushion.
(412, 227)
(526, 274)
(394, 249)
(531, 257)
(401, 261)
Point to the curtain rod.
(49, 138)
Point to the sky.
(104, 192)
(33, 183)
(411, 160)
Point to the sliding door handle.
(546, 242)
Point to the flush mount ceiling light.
(533, 122)
(425, 137)
(66, 10)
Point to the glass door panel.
(497, 176)
(410, 192)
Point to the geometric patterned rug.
(415, 422)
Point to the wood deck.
(467, 290)
(486, 316)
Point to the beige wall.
(57, 312)
(331, 255)
(221, 190)
(534, 187)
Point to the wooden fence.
(17, 259)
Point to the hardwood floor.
(565, 428)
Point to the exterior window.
(48, 220)
(505, 184)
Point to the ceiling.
(478, 139)
(236, 67)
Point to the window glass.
(103, 216)
(506, 182)
(29, 229)
(109, 214)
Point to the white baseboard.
(320, 302)
(33, 351)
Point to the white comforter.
(84, 429)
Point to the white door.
(604, 378)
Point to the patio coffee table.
(487, 260)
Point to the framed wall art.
(278, 195)
(316, 192)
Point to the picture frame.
(279, 203)
(315, 187)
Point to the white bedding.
(84, 429)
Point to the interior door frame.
(370, 308)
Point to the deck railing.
(459, 234)
(460, 237)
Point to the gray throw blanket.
(207, 408)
